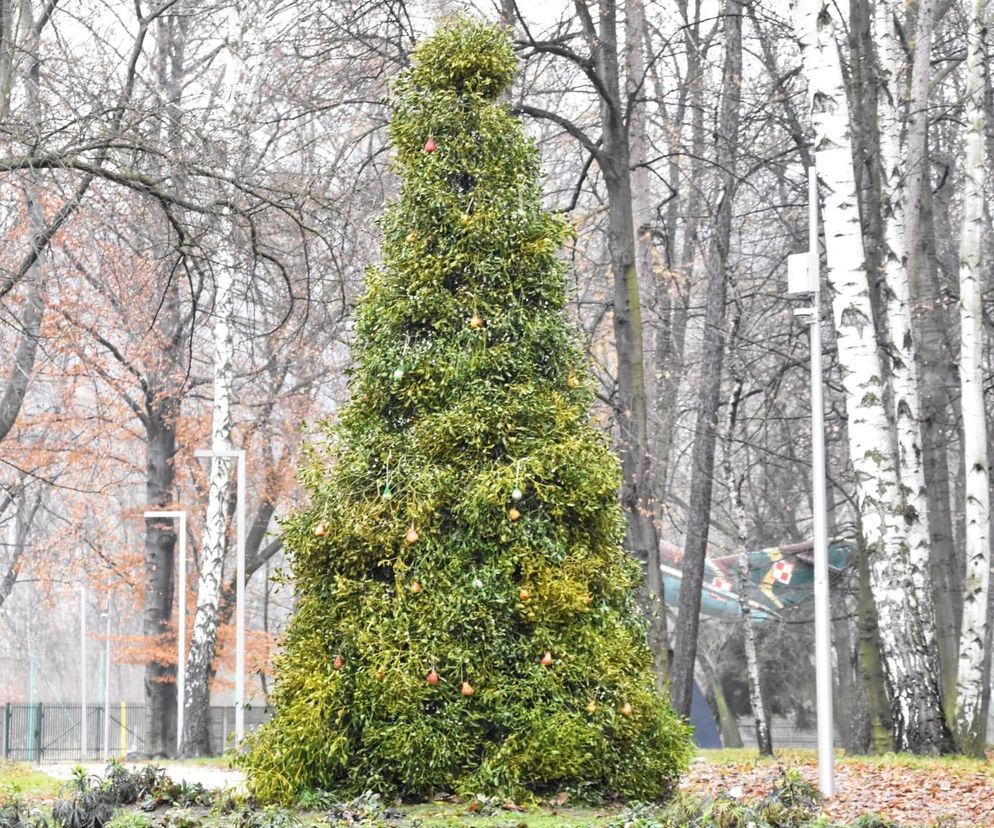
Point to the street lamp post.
(179, 515)
(803, 279)
(82, 673)
(239, 455)
(106, 734)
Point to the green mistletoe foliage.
(465, 618)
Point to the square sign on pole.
(802, 274)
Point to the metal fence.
(45, 732)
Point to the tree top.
(469, 57)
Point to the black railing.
(45, 732)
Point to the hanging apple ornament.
(513, 513)
(415, 587)
(547, 659)
(320, 530)
(626, 709)
(524, 594)
(432, 677)
(412, 536)
(591, 706)
(339, 662)
(572, 382)
(476, 321)
(430, 146)
(466, 689)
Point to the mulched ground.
(950, 793)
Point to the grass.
(26, 781)
(793, 757)
(445, 815)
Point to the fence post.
(39, 730)
(6, 730)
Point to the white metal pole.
(240, 605)
(181, 637)
(823, 641)
(82, 672)
(106, 739)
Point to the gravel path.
(210, 776)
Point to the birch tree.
(909, 662)
(974, 638)
(904, 400)
(240, 68)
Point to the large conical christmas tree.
(465, 617)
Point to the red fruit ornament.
(547, 659)
(430, 146)
(432, 678)
(467, 689)
(339, 662)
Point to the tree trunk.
(630, 406)
(878, 706)
(971, 728)
(160, 556)
(728, 725)
(910, 664)
(763, 740)
(239, 85)
(196, 736)
(900, 345)
(854, 726)
(642, 220)
(702, 463)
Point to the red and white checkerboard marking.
(783, 571)
(722, 583)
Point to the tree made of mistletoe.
(465, 618)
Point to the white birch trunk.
(910, 664)
(970, 727)
(904, 399)
(238, 88)
(763, 741)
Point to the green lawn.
(25, 780)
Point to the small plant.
(14, 813)
(122, 783)
(366, 809)
(638, 815)
(268, 818)
(84, 809)
(129, 819)
(792, 802)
